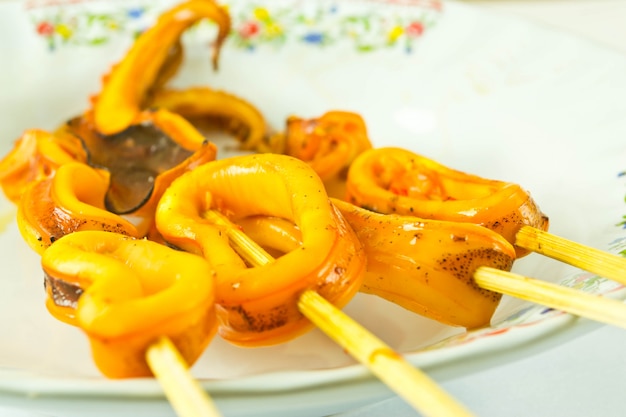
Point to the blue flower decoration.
(136, 13)
(314, 37)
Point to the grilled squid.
(258, 305)
(394, 180)
(425, 266)
(151, 61)
(328, 143)
(124, 293)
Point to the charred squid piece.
(153, 58)
(70, 201)
(206, 107)
(395, 180)
(36, 155)
(427, 266)
(144, 159)
(77, 179)
(328, 144)
(126, 293)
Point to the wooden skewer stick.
(593, 307)
(584, 257)
(182, 390)
(415, 387)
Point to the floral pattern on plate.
(322, 24)
(60, 26)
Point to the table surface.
(587, 376)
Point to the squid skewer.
(138, 302)
(498, 280)
(593, 307)
(394, 180)
(411, 384)
(61, 195)
(263, 300)
(394, 167)
(468, 304)
(397, 181)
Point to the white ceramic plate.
(497, 97)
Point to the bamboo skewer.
(415, 387)
(593, 307)
(182, 390)
(584, 257)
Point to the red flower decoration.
(249, 29)
(45, 29)
(415, 29)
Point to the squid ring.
(70, 201)
(395, 180)
(124, 293)
(258, 305)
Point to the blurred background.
(601, 20)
